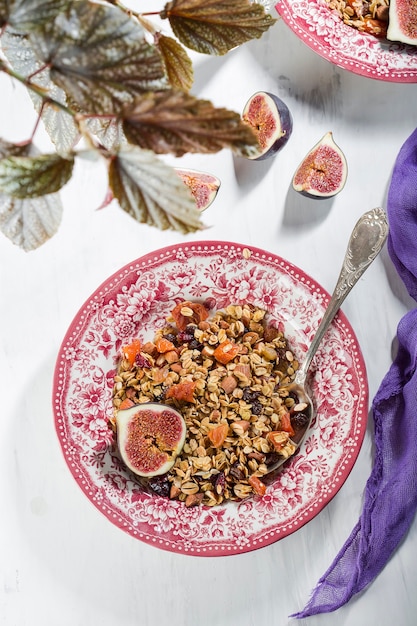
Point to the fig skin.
(323, 172)
(271, 120)
(150, 436)
(203, 186)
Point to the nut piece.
(228, 384)
(240, 427)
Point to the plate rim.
(360, 68)
(215, 549)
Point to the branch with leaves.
(104, 74)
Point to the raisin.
(281, 353)
(270, 333)
(162, 392)
(271, 458)
(194, 344)
(299, 421)
(158, 393)
(219, 483)
(237, 472)
(250, 396)
(160, 485)
(256, 407)
(171, 337)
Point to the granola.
(224, 374)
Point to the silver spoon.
(365, 243)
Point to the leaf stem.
(38, 119)
(40, 91)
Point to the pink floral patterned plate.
(323, 31)
(133, 303)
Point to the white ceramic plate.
(132, 303)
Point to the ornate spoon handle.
(365, 243)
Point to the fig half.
(323, 172)
(204, 187)
(150, 436)
(271, 120)
(402, 24)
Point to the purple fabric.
(390, 499)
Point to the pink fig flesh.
(271, 120)
(204, 187)
(323, 172)
(150, 437)
(402, 23)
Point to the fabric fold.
(390, 499)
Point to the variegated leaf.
(28, 223)
(12, 149)
(4, 12)
(99, 56)
(216, 26)
(178, 64)
(176, 122)
(107, 130)
(26, 15)
(60, 126)
(152, 192)
(29, 177)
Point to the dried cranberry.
(160, 485)
(299, 421)
(186, 335)
(141, 361)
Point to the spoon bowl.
(366, 242)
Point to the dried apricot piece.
(218, 435)
(127, 403)
(182, 391)
(164, 345)
(257, 485)
(375, 27)
(278, 439)
(226, 351)
(285, 424)
(189, 313)
(131, 351)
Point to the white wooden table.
(63, 563)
